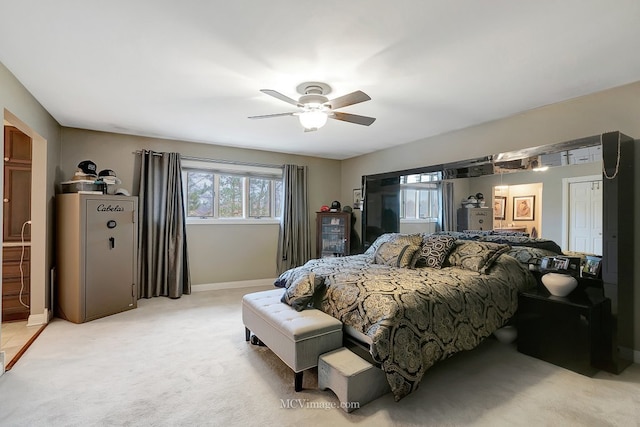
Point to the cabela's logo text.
(109, 208)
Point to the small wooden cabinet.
(15, 283)
(333, 231)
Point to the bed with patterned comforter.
(415, 317)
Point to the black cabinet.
(619, 260)
(569, 331)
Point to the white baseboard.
(233, 285)
(39, 319)
(1, 363)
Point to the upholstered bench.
(355, 381)
(296, 337)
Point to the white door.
(585, 216)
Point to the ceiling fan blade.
(281, 97)
(268, 116)
(348, 99)
(352, 118)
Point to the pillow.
(300, 293)
(434, 250)
(475, 256)
(284, 279)
(371, 250)
(399, 252)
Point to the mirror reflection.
(553, 191)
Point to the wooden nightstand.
(572, 331)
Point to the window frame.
(246, 172)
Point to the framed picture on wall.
(499, 207)
(523, 208)
(357, 198)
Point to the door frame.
(566, 182)
(40, 305)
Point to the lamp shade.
(313, 119)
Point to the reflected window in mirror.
(420, 197)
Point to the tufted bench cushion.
(296, 337)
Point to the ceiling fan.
(317, 108)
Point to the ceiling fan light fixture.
(316, 108)
(313, 119)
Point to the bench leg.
(247, 334)
(297, 382)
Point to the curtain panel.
(163, 264)
(448, 216)
(294, 245)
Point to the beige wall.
(610, 110)
(22, 110)
(217, 253)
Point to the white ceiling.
(192, 69)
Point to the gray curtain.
(448, 215)
(163, 266)
(294, 246)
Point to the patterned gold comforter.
(416, 317)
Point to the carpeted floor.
(185, 363)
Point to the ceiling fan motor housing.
(313, 101)
(313, 94)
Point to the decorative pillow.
(284, 279)
(371, 250)
(300, 293)
(475, 256)
(399, 252)
(434, 250)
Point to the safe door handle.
(112, 242)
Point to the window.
(420, 197)
(199, 194)
(215, 192)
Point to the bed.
(414, 300)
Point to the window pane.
(410, 204)
(230, 196)
(200, 194)
(259, 197)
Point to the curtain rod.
(229, 162)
